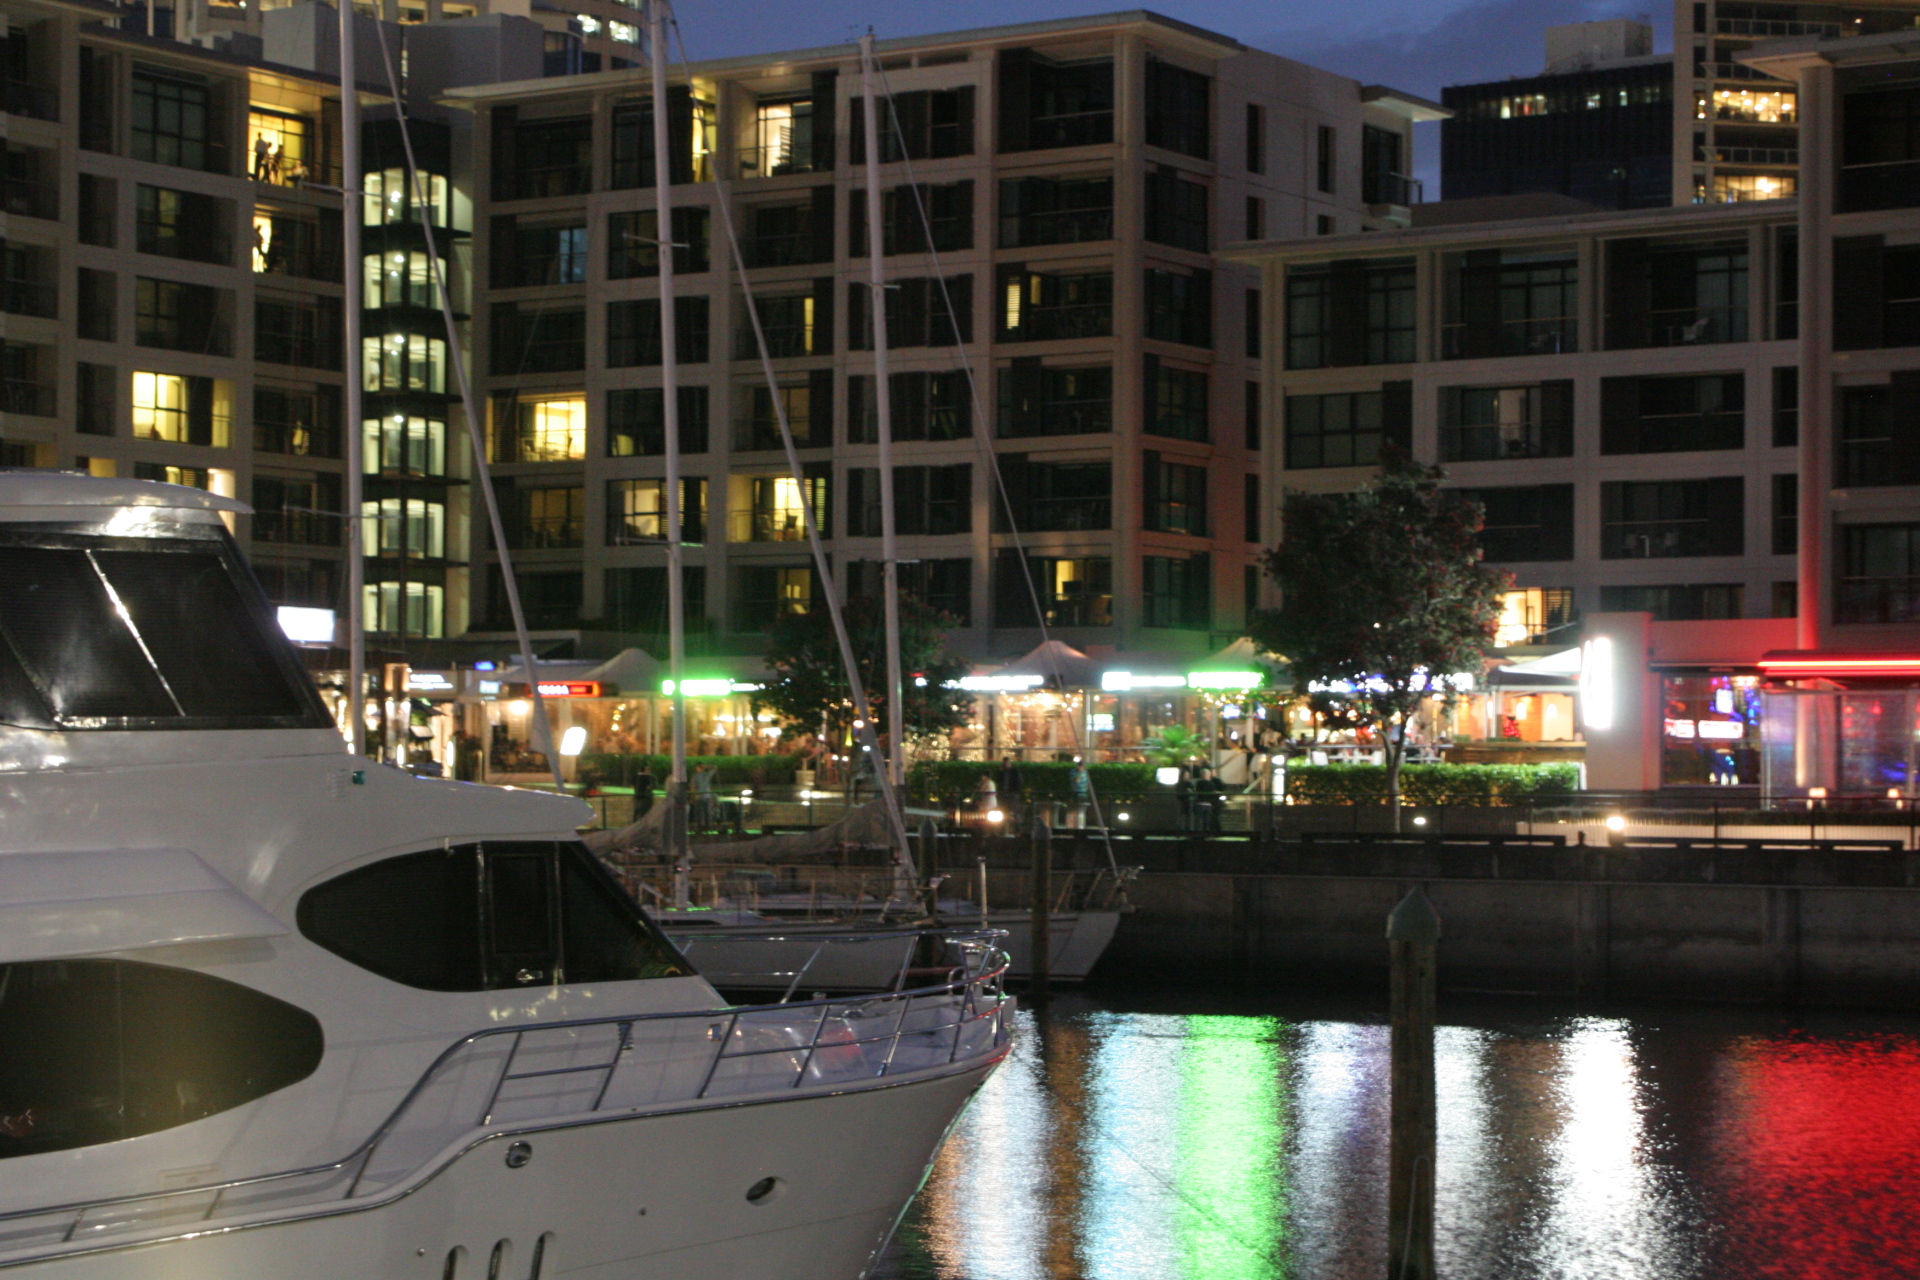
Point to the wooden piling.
(1413, 932)
(1041, 929)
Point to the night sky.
(1414, 45)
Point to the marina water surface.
(1181, 1139)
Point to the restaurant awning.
(1059, 664)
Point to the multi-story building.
(1054, 193)
(1596, 124)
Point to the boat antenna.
(542, 731)
(892, 695)
(350, 200)
(678, 845)
(863, 712)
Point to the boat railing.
(958, 953)
(554, 1074)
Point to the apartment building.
(1054, 193)
(172, 310)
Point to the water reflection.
(1246, 1144)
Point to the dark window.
(1323, 161)
(1662, 518)
(21, 387)
(1481, 424)
(107, 633)
(182, 224)
(1689, 602)
(1880, 573)
(1179, 109)
(926, 500)
(97, 1051)
(1056, 496)
(1037, 400)
(1786, 406)
(99, 210)
(1880, 434)
(484, 917)
(1073, 591)
(1256, 141)
(1510, 302)
(793, 324)
(98, 98)
(1786, 514)
(1876, 294)
(790, 234)
(1880, 149)
(921, 312)
(636, 599)
(946, 585)
(1672, 414)
(550, 599)
(1359, 311)
(1176, 402)
(926, 406)
(177, 120)
(543, 517)
(807, 403)
(1252, 324)
(921, 124)
(29, 181)
(1177, 592)
(633, 331)
(1177, 210)
(309, 583)
(302, 333)
(97, 304)
(633, 161)
(1176, 496)
(1382, 180)
(288, 245)
(549, 255)
(181, 317)
(907, 214)
(1256, 218)
(304, 424)
(1348, 428)
(1180, 307)
(1663, 294)
(1786, 283)
(1037, 211)
(633, 250)
(549, 158)
(1526, 523)
(1036, 307)
(765, 593)
(94, 393)
(636, 421)
(637, 512)
(1323, 224)
(539, 341)
(1250, 520)
(297, 509)
(1250, 415)
(1046, 104)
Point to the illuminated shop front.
(1841, 726)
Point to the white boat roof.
(23, 491)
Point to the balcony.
(1514, 338)
(37, 102)
(1877, 600)
(766, 526)
(1767, 28)
(1063, 226)
(1069, 515)
(1659, 539)
(1496, 441)
(1074, 320)
(28, 198)
(29, 298)
(1892, 185)
(1748, 155)
(35, 399)
(300, 525)
(1730, 71)
(774, 161)
(547, 533)
(1696, 326)
(1391, 188)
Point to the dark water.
(1195, 1138)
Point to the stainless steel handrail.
(973, 998)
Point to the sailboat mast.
(895, 763)
(670, 423)
(350, 220)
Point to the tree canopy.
(1383, 596)
(810, 681)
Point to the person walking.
(1012, 790)
(703, 802)
(1079, 792)
(1208, 795)
(643, 787)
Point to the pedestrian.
(703, 802)
(643, 787)
(1183, 793)
(1012, 790)
(1080, 791)
(1208, 795)
(986, 797)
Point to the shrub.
(1040, 779)
(729, 771)
(1432, 784)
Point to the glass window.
(159, 406)
(636, 422)
(1880, 573)
(95, 1051)
(1662, 518)
(636, 511)
(1074, 591)
(1756, 106)
(1037, 210)
(405, 362)
(278, 146)
(399, 278)
(1510, 302)
(1178, 407)
(173, 121)
(386, 202)
(1349, 313)
(552, 430)
(99, 632)
(1179, 498)
(1038, 307)
(1177, 592)
(406, 608)
(402, 444)
(409, 528)
(1037, 400)
(782, 139)
(547, 516)
(1344, 429)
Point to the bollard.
(1413, 930)
(1040, 931)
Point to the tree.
(809, 680)
(1383, 596)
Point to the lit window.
(409, 608)
(386, 200)
(398, 444)
(624, 32)
(589, 25)
(398, 279)
(409, 528)
(160, 406)
(277, 147)
(553, 430)
(1758, 105)
(405, 362)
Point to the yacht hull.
(654, 1197)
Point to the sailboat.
(268, 1008)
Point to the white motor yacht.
(270, 1009)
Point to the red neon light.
(1910, 665)
(569, 688)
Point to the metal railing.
(766, 526)
(33, 398)
(1549, 336)
(1773, 27)
(775, 161)
(1056, 226)
(28, 198)
(1491, 441)
(29, 298)
(37, 101)
(549, 1075)
(1392, 188)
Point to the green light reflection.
(1232, 1215)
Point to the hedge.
(1039, 779)
(729, 771)
(1432, 784)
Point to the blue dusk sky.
(1414, 45)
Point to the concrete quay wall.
(1762, 926)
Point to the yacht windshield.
(111, 632)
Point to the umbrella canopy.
(1060, 664)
